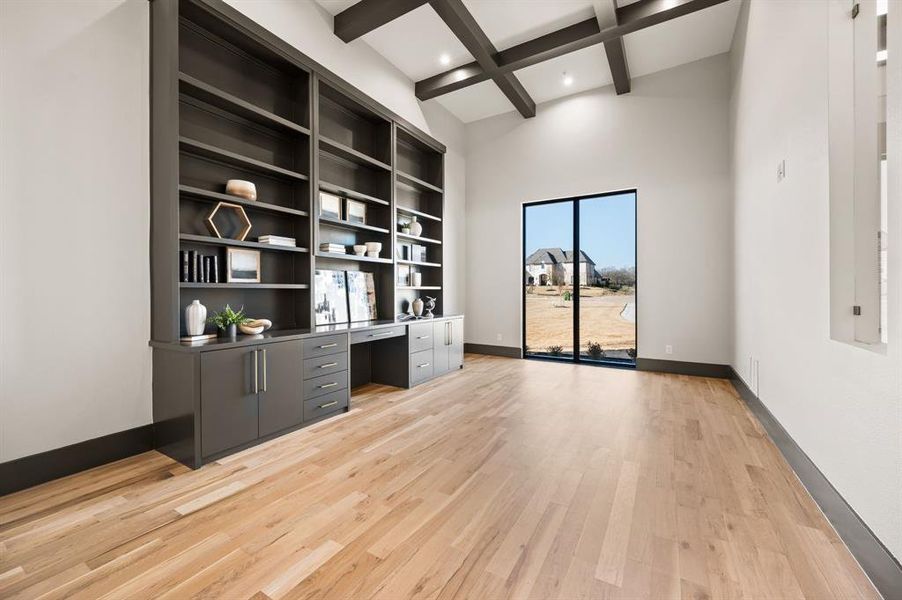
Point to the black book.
(215, 261)
(192, 262)
(183, 265)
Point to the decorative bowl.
(251, 330)
(359, 249)
(373, 248)
(241, 188)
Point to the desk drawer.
(378, 334)
(325, 365)
(421, 367)
(421, 337)
(325, 384)
(326, 344)
(315, 408)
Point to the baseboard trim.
(29, 471)
(877, 562)
(507, 351)
(679, 367)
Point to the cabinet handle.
(381, 334)
(423, 365)
(447, 333)
(264, 369)
(328, 385)
(324, 346)
(328, 404)
(423, 337)
(256, 371)
(327, 365)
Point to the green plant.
(567, 296)
(595, 350)
(227, 316)
(555, 350)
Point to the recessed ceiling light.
(444, 59)
(567, 79)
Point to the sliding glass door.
(579, 286)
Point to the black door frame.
(576, 358)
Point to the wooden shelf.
(416, 183)
(244, 286)
(354, 257)
(418, 213)
(348, 153)
(349, 225)
(212, 241)
(414, 238)
(418, 287)
(199, 193)
(343, 191)
(226, 101)
(415, 263)
(210, 151)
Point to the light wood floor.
(511, 478)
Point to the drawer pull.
(328, 385)
(423, 337)
(423, 365)
(327, 365)
(381, 334)
(324, 346)
(328, 404)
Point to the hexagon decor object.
(244, 224)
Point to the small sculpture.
(430, 304)
(255, 326)
(240, 230)
(241, 188)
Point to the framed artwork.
(329, 205)
(330, 297)
(355, 211)
(242, 266)
(361, 296)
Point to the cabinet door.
(456, 344)
(281, 384)
(228, 398)
(440, 348)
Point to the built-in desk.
(215, 397)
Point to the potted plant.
(228, 320)
(595, 350)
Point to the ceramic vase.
(195, 318)
(417, 307)
(416, 228)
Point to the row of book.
(277, 240)
(333, 248)
(198, 268)
(414, 252)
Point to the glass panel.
(548, 305)
(607, 275)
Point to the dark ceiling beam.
(606, 15)
(631, 17)
(467, 30)
(367, 15)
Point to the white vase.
(417, 307)
(195, 318)
(416, 228)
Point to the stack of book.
(277, 240)
(332, 248)
(197, 268)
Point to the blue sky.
(607, 228)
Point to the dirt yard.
(603, 317)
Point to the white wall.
(667, 138)
(841, 403)
(74, 230)
(74, 163)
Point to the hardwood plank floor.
(508, 479)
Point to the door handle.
(256, 371)
(324, 346)
(447, 333)
(264, 369)
(327, 365)
(328, 385)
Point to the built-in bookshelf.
(232, 101)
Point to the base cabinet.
(281, 397)
(448, 345)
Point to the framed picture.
(330, 297)
(242, 266)
(329, 205)
(361, 296)
(355, 211)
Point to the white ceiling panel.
(683, 40)
(511, 22)
(588, 68)
(476, 102)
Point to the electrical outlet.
(499, 337)
(668, 349)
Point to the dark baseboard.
(684, 368)
(508, 351)
(31, 470)
(881, 567)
